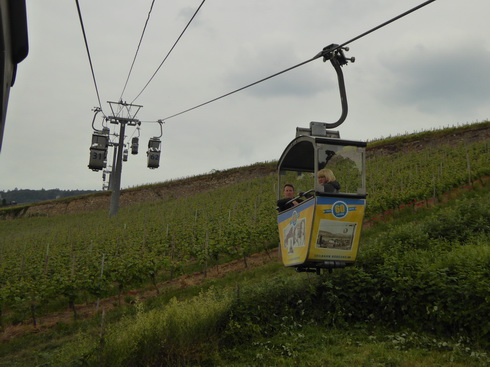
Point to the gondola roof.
(299, 154)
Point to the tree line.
(27, 196)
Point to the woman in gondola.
(327, 180)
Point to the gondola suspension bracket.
(336, 55)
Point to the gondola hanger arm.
(160, 122)
(335, 54)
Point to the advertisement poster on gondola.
(321, 229)
(295, 232)
(336, 229)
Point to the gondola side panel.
(337, 229)
(295, 232)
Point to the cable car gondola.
(98, 149)
(323, 230)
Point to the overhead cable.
(138, 48)
(387, 22)
(168, 54)
(320, 54)
(242, 88)
(88, 53)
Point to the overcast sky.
(427, 70)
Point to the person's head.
(325, 175)
(288, 191)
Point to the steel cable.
(88, 53)
(320, 54)
(137, 49)
(171, 49)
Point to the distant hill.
(76, 201)
(26, 196)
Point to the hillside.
(205, 182)
(187, 274)
(416, 297)
(166, 190)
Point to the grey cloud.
(450, 80)
(274, 56)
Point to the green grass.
(290, 343)
(357, 345)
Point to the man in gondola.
(286, 203)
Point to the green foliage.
(429, 274)
(437, 279)
(406, 179)
(180, 334)
(461, 222)
(357, 345)
(264, 309)
(408, 276)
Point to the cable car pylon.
(101, 142)
(117, 169)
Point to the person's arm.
(281, 204)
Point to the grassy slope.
(403, 304)
(343, 342)
(283, 318)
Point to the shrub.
(181, 333)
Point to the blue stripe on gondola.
(297, 209)
(332, 200)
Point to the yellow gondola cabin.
(323, 231)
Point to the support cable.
(242, 88)
(387, 22)
(88, 53)
(323, 53)
(137, 49)
(168, 54)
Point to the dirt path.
(85, 311)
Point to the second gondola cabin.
(323, 231)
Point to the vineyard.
(48, 263)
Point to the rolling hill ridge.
(184, 187)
